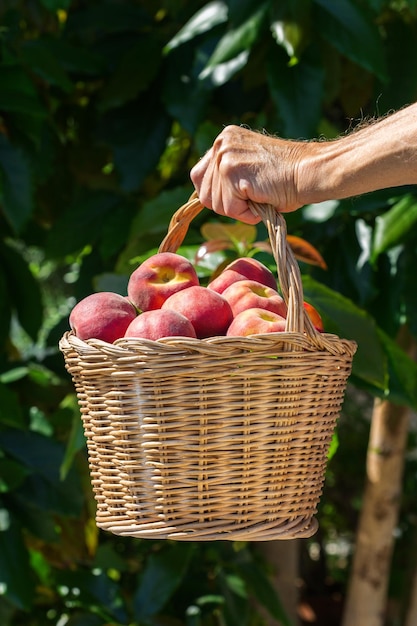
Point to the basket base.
(295, 529)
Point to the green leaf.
(402, 370)
(24, 291)
(137, 140)
(132, 76)
(239, 39)
(262, 589)
(234, 233)
(10, 409)
(211, 15)
(104, 19)
(343, 318)
(5, 307)
(55, 5)
(184, 95)
(18, 93)
(76, 441)
(76, 59)
(41, 60)
(12, 474)
(164, 572)
(407, 265)
(108, 557)
(334, 444)
(352, 31)
(392, 227)
(290, 26)
(297, 92)
(43, 489)
(236, 600)
(164, 206)
(15, 573)
(15, 184)
(80, 224)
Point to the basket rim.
(288, 341)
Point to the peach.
(103, 315)
(249, 294)
(158, 277)
(208, 311)
(244, 268)
(255, 322)
(160, 323)
(314, 316)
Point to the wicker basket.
(220, 438)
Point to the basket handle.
(289, 276)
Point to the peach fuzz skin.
(256, 322)
(158, 277)
(249, 294)
(104, 315)
(245, 268)
(208, 311)
(160, 323)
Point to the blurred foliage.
(104, 107)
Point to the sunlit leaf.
(209, 247)
(239, 39)
(392, 227)
(221, 73)
(305, 251)
(211, 15)
(290, 26)
(334, 444)
(289, 35)
(236, 232)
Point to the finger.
(198, 171)
(208, 187)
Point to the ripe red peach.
(244, 268)
(160, 323)
(208, 311)
(103, 315)
(249, 294)
(256, 322)
(158, 277)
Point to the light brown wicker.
(221, 438)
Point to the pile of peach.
(165, 299)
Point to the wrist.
(379, 156)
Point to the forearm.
(380, 155)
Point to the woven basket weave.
(219, 438)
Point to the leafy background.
(104, 108)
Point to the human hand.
(246, 165)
